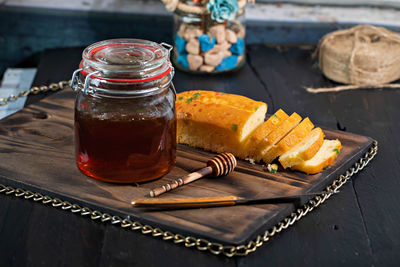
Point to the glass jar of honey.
(125, 125)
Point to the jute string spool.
(364, 56)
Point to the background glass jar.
(125, 126)
(205, 45)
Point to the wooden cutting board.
(37, 152)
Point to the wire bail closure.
(168, 46)
(74, 80)
(86, 87)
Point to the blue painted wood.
(24, 33)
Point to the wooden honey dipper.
(219, 165)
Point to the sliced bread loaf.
(304, 150)
(325, 156)
(290, 140)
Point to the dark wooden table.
(358, 226)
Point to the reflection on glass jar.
(206, 39)
(125, 127)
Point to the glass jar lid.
(142, 63)
(126, 60)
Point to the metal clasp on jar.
(75, 84)
(170, 47)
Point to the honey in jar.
(125, 125)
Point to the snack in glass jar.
(209, 36)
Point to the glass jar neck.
(119, 89)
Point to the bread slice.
(265, 143)
(325, 156)
(216, 121)
(252, 142)
(304, 150)
(289, 141)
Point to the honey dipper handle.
(181, 181)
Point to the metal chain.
(190, 241)
(35, 90)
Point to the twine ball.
(362, 55)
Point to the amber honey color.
(125, 150)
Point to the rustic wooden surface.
(45, 130)
(356, 227)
